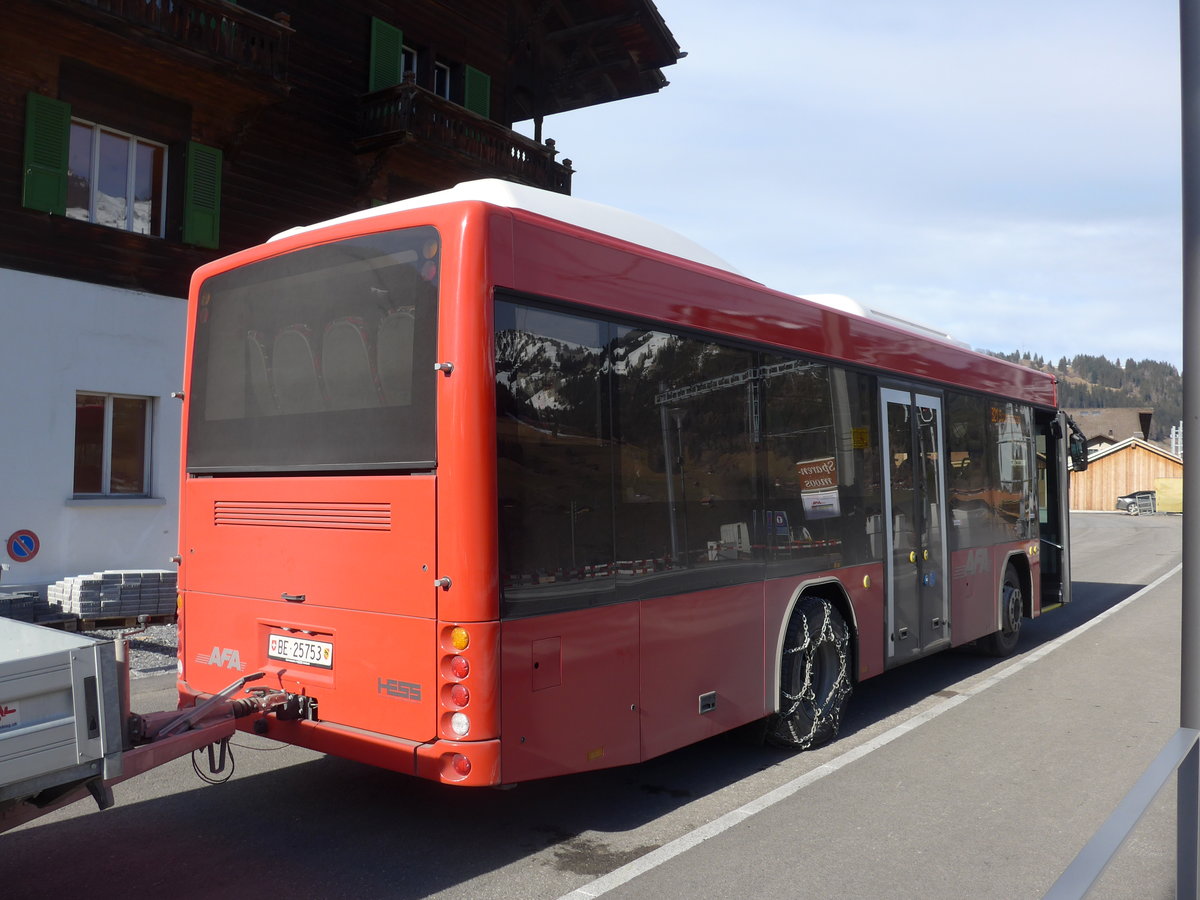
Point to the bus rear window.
(320, 359)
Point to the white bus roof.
(846, 304)
(582, 213)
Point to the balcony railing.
(213, 28)
(408, 112)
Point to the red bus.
(497, 484)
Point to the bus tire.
(1012, 600)
(814, 677)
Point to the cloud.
(1008, 171)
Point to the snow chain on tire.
(813, 697)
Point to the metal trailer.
(66, 729)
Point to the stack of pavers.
(115, 594)
(27, 606)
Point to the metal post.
(1187, 819)
(1187, 874)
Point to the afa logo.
(224, 657)
(976, 562)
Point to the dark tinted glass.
(636, 463)
(970, 472)
(554, 459)
(319, 359)
(687, 497)
(820, 438)
(990, 472)
(1012, 440)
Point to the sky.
(1006, 171)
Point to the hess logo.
(224, 657)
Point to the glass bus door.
(915, 524)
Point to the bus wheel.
(814, 682)
(1004, 641)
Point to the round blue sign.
(23, 545)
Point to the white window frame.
(441, 80)
(409, 60)
(130, 176)
(107, 448)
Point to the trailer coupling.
(148, 741)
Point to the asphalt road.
(957, 776)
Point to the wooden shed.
(1123, 468)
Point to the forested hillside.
(1087, 382)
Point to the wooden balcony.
(410, 117)
(220, 32)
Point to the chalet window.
(390, 60)
(116, 179)
(89, 171)
(112, 445)
(441, 80)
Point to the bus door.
(915, 524)
(1054, 437)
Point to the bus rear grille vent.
(352, 516)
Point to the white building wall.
(58, 337)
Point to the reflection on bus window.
(638, 463)
(991, 472)
(554, 457)
(823, 488)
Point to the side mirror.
(1077, 451)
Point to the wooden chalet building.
(142, 138)
(1126, 467)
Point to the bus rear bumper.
(467, 763)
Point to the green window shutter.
(477, 95)
(387, 55)
(202, 196)
(47, 139)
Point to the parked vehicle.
(1138, 502)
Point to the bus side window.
(822, 478)
(554, 460)
(969, 483)
(686, 462)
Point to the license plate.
(301, 651)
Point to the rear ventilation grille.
(351, 516)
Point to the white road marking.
(683, 843)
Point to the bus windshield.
(320, 359)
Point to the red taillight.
(461, 765)
(459, 667)
(459, 695)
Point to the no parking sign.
(23, 545)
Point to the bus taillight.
(455, 695)
(457, 766)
